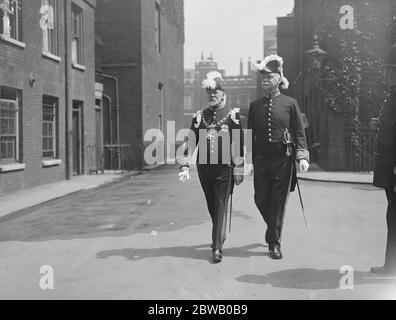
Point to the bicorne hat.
(273, 64)
(213, 81)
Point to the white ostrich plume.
(210, 82)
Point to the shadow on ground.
(199, 252)
(312, 279)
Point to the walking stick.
(302, 204)
(230, 213)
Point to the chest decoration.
(198, 117)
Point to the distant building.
(286, 40)
(141, 54)
(270, 40)
(241, 89)
(47, 94)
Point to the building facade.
(338, 50)
(270, 41)
(47, 81)
(141, 65)
(241, 89)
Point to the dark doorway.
(77, 138)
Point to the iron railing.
(362, 155)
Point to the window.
(49, 25)
(243, 100)
(50, 127)
(158, 26)
(11, 19)
(9, 125)
(76, 45)
(188, 102)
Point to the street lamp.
(316, 54)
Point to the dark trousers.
(217, 182)
(272, 188)
(390, 259)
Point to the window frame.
(16, 152)
(53, 103)
(189, 97)
(16, 25)
(51, 36)
(77, 11)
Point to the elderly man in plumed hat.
(217, 131)
(279, 140)
(385, 164)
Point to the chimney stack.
(241, 68)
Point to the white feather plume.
(210, 82)
(285, 83)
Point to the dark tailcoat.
(219, 137)
(270, 118)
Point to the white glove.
(184, 175)
(248, 169)
(304, 166)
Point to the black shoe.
(275, 252)
(383, 271)
(217, 256)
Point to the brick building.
(333, 53)
(287, 48)
(270, 44)
(141, 66)
(47, 101)
(241, 89)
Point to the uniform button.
(270, 140)
(270, 114)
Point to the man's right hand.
(184, 175)
(248, 169)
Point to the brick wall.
(16, 64)
(131, 56)
(165, 67)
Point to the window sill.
(51, 56)
(51, 163)
(12, 167)
(12, 41)
(78, 66)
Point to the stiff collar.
(276, 93)
(216, 108)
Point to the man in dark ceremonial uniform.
(278, 141)
(217, 131)
(385, 164)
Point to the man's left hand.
(238, 179)
(304, 166)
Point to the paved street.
(148, 237)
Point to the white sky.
(231, 29)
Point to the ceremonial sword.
(289, 150)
